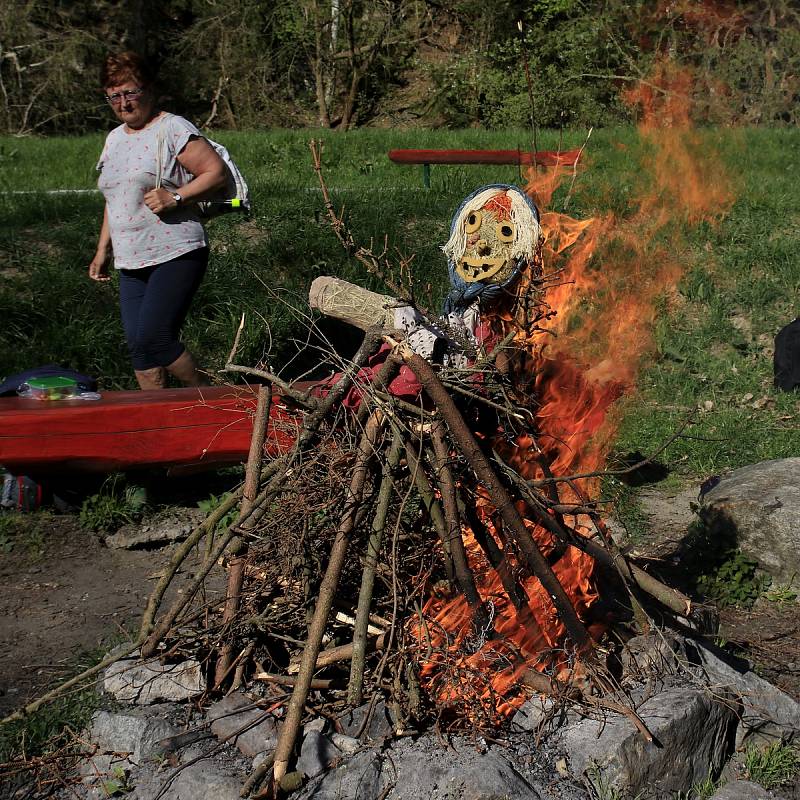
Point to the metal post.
(426, 175)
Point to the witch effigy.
(494, 261)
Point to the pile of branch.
(345, 544)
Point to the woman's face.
(131, 104)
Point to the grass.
(773, 765)
(24, 535)
(114, 505)
(741, 288)
(52, 729)
(712, 339)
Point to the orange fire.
(610, 273)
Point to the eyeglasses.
(126, 94)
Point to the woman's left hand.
(159, 201)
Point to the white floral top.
(128, 170)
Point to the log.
(470, 449)
(239, 548)
(355, 685)
(327, 591)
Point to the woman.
(158, 242)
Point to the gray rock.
(768, 714)
(163, 530)
(534, 714)
(694, 734)
(657, 653)
(131, 681)
(741, 790)
(317, 753)
(102, 767)
(237, 720)
(409, 770)
(203, 780)
(317, 724)
(381, 724)
(347, 744)
(358, 778)
(760, 503)
(135, 731)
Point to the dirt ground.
(65, 593)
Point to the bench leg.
(426, 175)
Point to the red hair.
(120, 68)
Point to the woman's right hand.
(98, 267)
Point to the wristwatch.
(177, 198)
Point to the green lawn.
(713, 335)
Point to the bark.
(432, 506)
(447, 488)
(249, 493)
(354, 689)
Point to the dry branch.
(249, 493)
(447, 489)
(327, 591)
(354, 689)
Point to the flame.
(610, 272)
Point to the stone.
(347, 744)
(741, 790)
(135, 731)
(317, 753)
(317, 724)
(694, 735)
(768, 714)
(760, 505)
(410, 770)
(381, 724)
(206, 779)
(101, 767)
(358, 778)
(156, 531)
(657, 653)
(237, 720)
(534, 714)
(131, 681)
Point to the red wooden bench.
(205, 427)
(545, 158)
